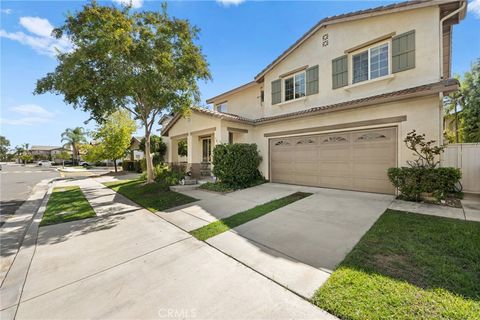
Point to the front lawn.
(66, 204)
(220, 226)
(152, 196)
(408, 266)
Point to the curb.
(14, 281)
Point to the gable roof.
(407, 5)
(445, 86)
(44, 148)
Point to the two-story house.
(333, 109)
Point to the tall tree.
(112, 137)
(145, 62)
(157, 147)
(4, 144)
(73, 138)
(470, 90)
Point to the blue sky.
(239, 39)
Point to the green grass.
(66, 204)
(408, 266)
(152, 196)
(237, 219)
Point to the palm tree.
(73, 138)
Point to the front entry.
(206, 150)
(353, 160)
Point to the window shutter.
(276, 91)
(312, 80)
(339, 72)
(403, 51)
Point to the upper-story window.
(371, 63)
(295, 86)
(221, 107)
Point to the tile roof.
(446, 86)
(45, 148)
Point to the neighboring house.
(48, 152)
(135, 152)
(333, 109)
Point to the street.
(17, 182)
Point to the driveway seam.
(103, 270)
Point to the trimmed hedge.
(414, 181)
(236, 164)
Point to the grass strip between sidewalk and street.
(408, 266)
(66, 204)
(151, 196)
(220, 226)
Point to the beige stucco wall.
(246, 102)
(343, 36)
(423, 114)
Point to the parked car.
(44, 163)
(85, 164)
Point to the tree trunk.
(148, 156)
(115, 164)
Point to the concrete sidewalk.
(129, 263)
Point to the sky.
(239, 38)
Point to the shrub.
(131, 166)
(413, 181)
(165, 176)
(236, 164)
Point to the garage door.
(354, 160)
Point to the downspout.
(440, 34)
(451, 14)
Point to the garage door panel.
(356, 160)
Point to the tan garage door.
(354, 160)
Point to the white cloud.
(230, 2)
(474, 7)
(28, 115)
(6, 11)
(39, 26)
(40, 38)
(135, 3)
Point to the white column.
(190, 148)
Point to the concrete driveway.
(299, 245)
(128, 263)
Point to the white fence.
(465, 156)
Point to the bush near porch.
(236, 165)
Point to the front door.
(206, 150)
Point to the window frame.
(223, 104)
(368, 49)
(292, 76)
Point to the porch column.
(221, 135)
(190, 148)
(172, 149)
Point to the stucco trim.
(230, 129)
(338, 126)
(368, 43)
(286, 74)
(204, 131)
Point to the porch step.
(205, 173)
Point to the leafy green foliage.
(408, 266)
(4, 144)
(74, 138)
(157, 147)
(151, 196)
(220, 226)
(236, 165)
(145, 62)
(426, 151)
(66, 204)
(183, 148)
(166, 177)
(413, 181)
(112, 138)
